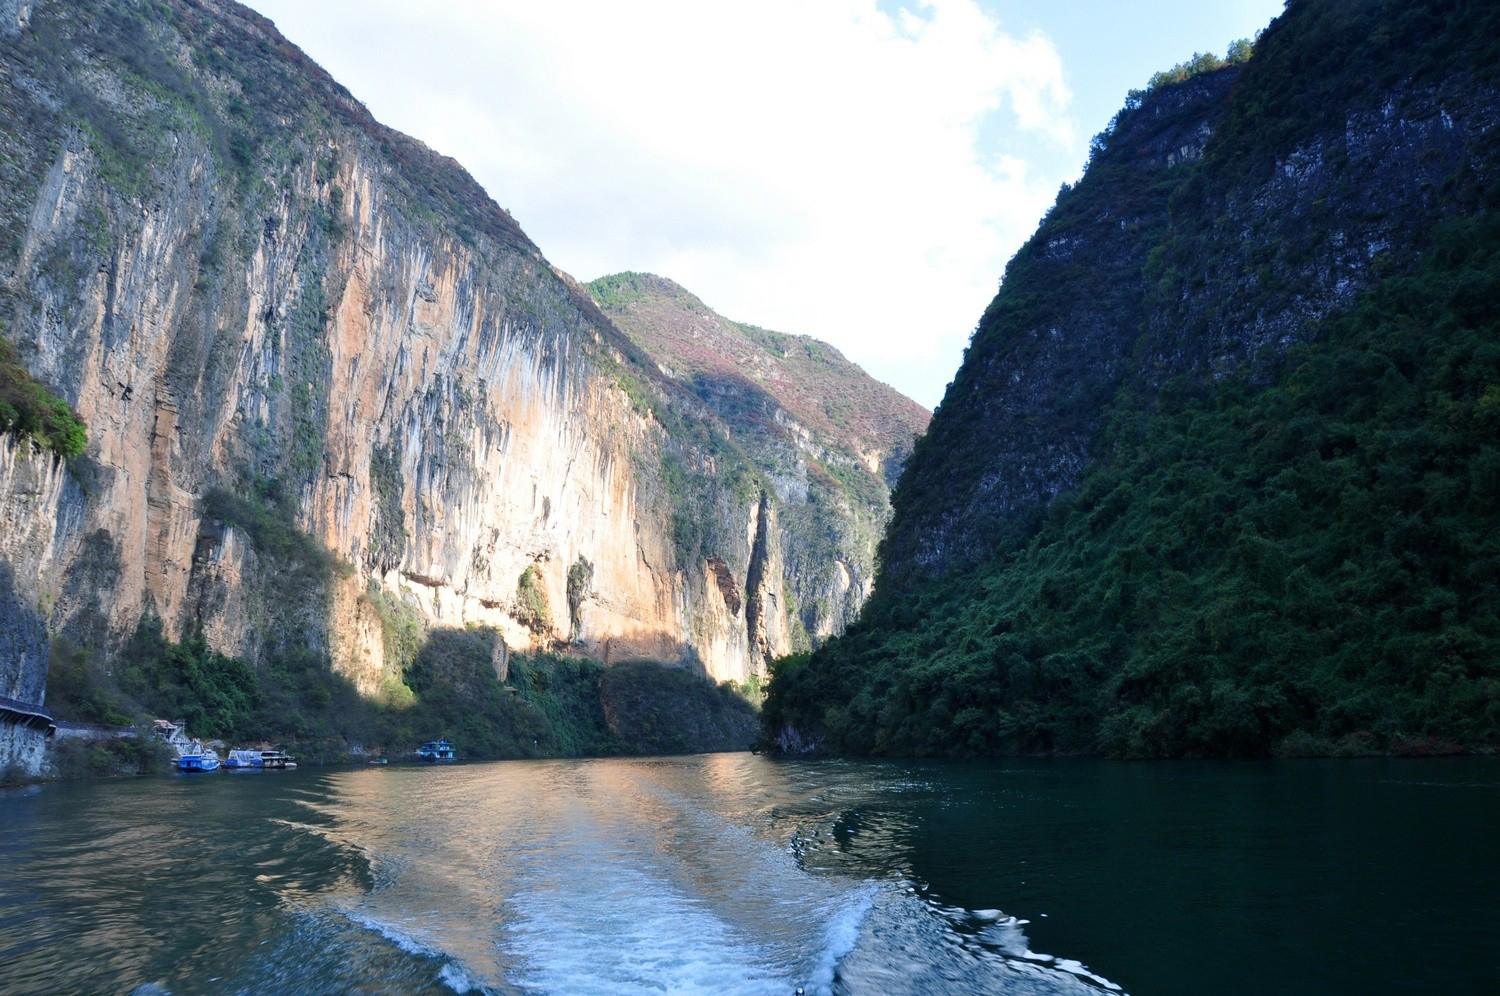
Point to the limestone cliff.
(278, 318)
(829, 439)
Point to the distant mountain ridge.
(829, 438)
(808, 378)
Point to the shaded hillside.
(1217, 476)
(828, 437)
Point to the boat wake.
(570, 892)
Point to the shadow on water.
(1185, 877)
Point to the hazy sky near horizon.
(855, 170)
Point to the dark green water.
(732, 873)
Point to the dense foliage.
(1303, 559)
(1146, 521)
(266, 512)
(656, 709)
(548, 706)
(29, 409)
(1322, 60)
(216, 694)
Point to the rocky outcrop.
(279, 319)
(828, 440)
(39, 520)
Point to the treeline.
(549, 705)
(1301, 559)
(1202, 62)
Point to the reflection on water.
(732, 873)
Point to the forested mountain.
(1219, 473)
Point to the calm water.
(733, 873)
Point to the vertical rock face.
(827, 439)
(279, 318)
(39, 521)
(39, 528)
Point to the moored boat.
(436, 750)
(203, 761)
(241, 759)
(276, 759)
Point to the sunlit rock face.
(827, 439)
(278, 317)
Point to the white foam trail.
(401, 939)
(841, 935)
(458, 980)
(633, 934)
(1004, 933)
(452, 974)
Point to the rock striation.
(283, 322)
(828, 439)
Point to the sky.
(855, 170)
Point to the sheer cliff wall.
(278, 317)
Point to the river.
(732, 873)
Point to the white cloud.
(813, 167)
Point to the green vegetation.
(580, 586)
(1163, 511)
(140, 754)
(1201, 62)
(79, 689)
(656, 709)
(1303, 558)
(549, 706)
(31, 411)
(532, 610)
(388, 538)
(1322, 61)
(214, 693)
(307, 360)
(402, 633)
(268, 515)
(460, 696)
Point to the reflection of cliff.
(247, 287)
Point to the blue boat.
(206, 761)
(436, 750)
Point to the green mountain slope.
(1218, 475)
